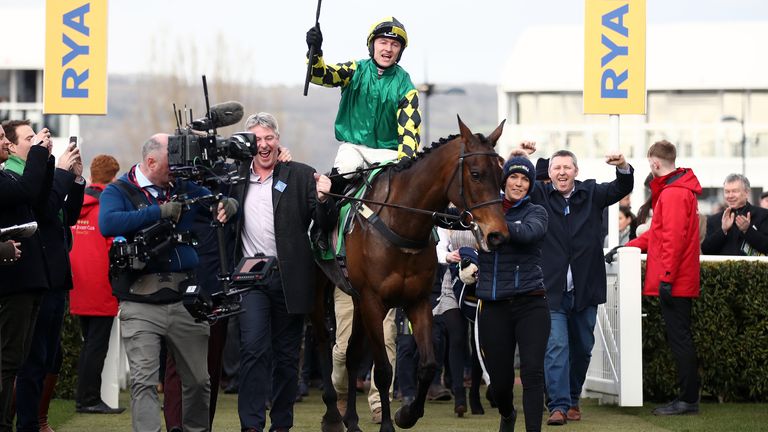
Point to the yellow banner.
(614, 57)
(75, 57)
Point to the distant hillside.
(140, 106)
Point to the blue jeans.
(569, 350)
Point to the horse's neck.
(426, 182)
(422, 186)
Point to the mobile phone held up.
(73, 140)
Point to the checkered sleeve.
(336, 75)
(408, 125)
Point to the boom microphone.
(221, 115)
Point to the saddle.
(333, 258)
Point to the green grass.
(439, 417)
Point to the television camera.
(251, 273)
(155, 240)
(197, 153)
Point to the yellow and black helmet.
(391, 28)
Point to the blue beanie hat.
(519, 164)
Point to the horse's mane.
(426, 151)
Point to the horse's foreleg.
(331, 421)
(420, 316)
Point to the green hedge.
(730, 330)
(71, 342)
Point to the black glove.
(315, 39)
(611, 255)
(230, 206)
(171, 210)
(665, 288)
(403, 163)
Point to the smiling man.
(740, 229)
(378, 118)
(280, 200)
(378, 121)
(574, 271)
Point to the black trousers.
(451, 327)
(18, 314)
(95, 331)
(677, 319)
(407, 363)
(522, 321)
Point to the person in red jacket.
(672, 270)
(91, 299)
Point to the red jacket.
(92, 293)
(672, 242)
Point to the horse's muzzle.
(495, 239)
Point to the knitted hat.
(518, 164)
(542, 169)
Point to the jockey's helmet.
(391, 28)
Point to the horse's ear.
(466, 134)
(496, 134)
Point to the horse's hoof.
(404, 417)
(328, 426)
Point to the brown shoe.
(573, 414)
(557, 418)
(376, 415)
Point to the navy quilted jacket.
(515, 267)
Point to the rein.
(464, 220)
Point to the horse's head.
(476, 189)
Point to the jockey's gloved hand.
(315, 39)
(611, 255)
(403, 163)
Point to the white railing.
(615, 374)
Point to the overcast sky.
(451, 41)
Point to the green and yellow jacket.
(376, 110)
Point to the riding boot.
(507, 424)
(49, 385)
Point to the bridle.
(464, 220)
(460, 169)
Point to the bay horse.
(463, 169)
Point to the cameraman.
(150, 298)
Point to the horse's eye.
(475, 175)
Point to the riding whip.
(312, 52)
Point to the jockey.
(378, 121)
(378, 118)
